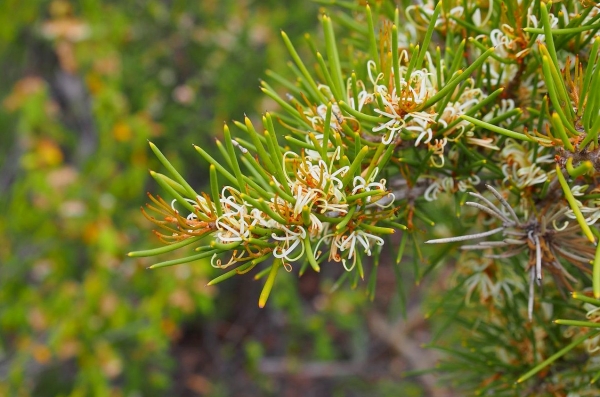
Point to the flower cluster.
(317, 206)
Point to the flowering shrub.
(420, 104)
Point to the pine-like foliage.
(492, 105)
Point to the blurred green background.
(83, 86)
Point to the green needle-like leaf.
(359, 115)
(451, 85)
(428, 34)
(217, 165)
(373, 53)
(499, 130)
(310, 255)
(548, 33)
(555, 32)
(332, 55)
(172, 170)
(308, 77)
(186, 259)
(558, 127)
(584, 298)
(266, 291)
(214, 190)
(162, 181)
(356, 166)
(556, 356)
(395, 59)
(577, 323)
(573, 204)
(164, 249)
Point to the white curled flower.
(423, 12)
(454, 110)
(590, 210)
(344, 247)
(485, 280)
(506, 105)
(487, 143)
(400, 107)
(501, 74)
(477, 19)
(349, 243)
(259, 218)
(315, 180)
(233, 225)
(317, 116)
(449, 185)
(315, 185)
(361, 185)
(425, 133)
(533, 22)
(501, 42)
(420, 124)
(290, 241)
(522, 167)
(396, 121)
(364, 97)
